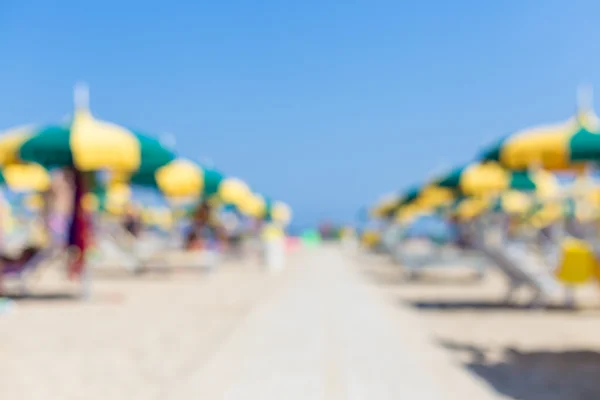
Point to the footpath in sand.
(324, 335)
(313, 332)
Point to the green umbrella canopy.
(405, 198)
(198, 180)
(85, 143)
(558, 147)
(483, 179)
(186, 178)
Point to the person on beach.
(131, 222)
(205, 229)
(462, 233)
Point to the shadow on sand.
(42, 297)
(477, 305)
(397, 276)
(535, 375)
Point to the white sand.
(520, 353)
(314, 332)
(133, 339)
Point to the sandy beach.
(132, 339)
(520, 353)
(333, 325)
(315, 331)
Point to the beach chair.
(52, 246)
(431, 254)
(524, 268)
(133, 253)
(437, 251)
(22, 270)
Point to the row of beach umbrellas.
(517, 173)
(87, 145)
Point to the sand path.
(314, 332)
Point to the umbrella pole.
(79, 232)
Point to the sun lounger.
(21, 270)
(523, 267)
(437, 255)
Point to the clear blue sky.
(325, 104)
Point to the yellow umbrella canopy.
(434, 196)
(34, 202)
(281, 212)
(561, 146)
(384, 205)
(86, 143)
(476, 179)
(25, 177)
(114, 199)
(410, 211)
(185, 178)
(157, 216)
(255, 206)
(491, 179)
(471, 207)
(515, 202)
(180, 178)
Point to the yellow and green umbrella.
(564, 146)
(490, 178)
(113, 198)
(429, 196)
(406, 198)
(281, 213)
(25, 177)
(161, 217)
(264, 208)
(410, 212)
(185, 178)
(514, 202)
(433, 196)
(33, 202)
(253, 205)
(470, 207)
(86, 144)
(385, 205)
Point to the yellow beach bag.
(578, 263)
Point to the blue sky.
(325, 104)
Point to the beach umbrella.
(419, 198)
(410, 212)
(253, 206)
(84, 143)
(490, 178)
(25, 177)
(385, 205)
(513, 202)
(402, 200)
(281, 213)
(263, 208)
(433, 196)
(33, 202)
(185, 178)
(467, 208)
(112, 198)
(563, 146)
